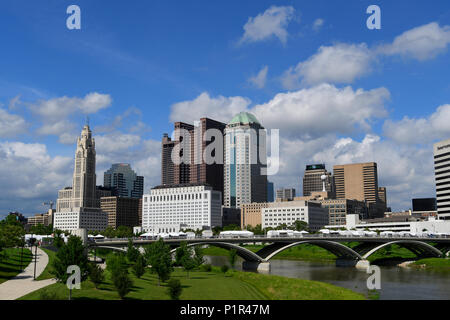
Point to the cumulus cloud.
(29, 175)
(272, 23)
(11, 124)
(55, 113)
(404, 176)
(323, 109)
(421, 43)
(259, 81)
(340, 63)
(220, 108)
(420, 130)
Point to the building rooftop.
(168, 186)
(244, 117)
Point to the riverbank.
(433, 264)
(10, 263)
(201, 285)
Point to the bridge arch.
(244, 253)
(336, 248)
(417, 247)
(109, 247)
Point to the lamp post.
(35, 261)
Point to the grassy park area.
(46, 273)
(433, 264)
(203, 285)
(10, 262)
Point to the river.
(396, 282)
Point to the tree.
(300, 225)
(231, 227)
(198, 256)
(124, 232)
(160, 259)
(139, 267)
(232, 255)
(188, 262)
(72, 253)
(114, 263)
(224, 268)
(180, 252)
(96, 274)
(122, 282)
(11, 234)
(132, 252)
(174, 289)
(58, 241)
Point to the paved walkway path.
(23, 283)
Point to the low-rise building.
(91, 219)
(279, 213)
(169, 208)
(251, 214)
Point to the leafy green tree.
(300, 225)
(132, 252)
(58, 241)
(11, 234)
(122, 282)
(139, 267)
(96, 274)
(174, 289)
(180, 252)
(198, 256)
(159, 257)
(217, 230)
(72, 253)
(109, 232)
(124, 232)
(232, 255)
(188, 262)
(224, 268)
(115, 262)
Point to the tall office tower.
(167, 167)
(245, 159)
(183, 148)
(312, 180)
(285, 194)
(84, 177)
(78, 207)
(189, 145)
(359, 181)
(122, 211)
(442, 177)
(382, 196)
(124, 181)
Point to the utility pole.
(35, 261)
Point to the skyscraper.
(124, 181)
(442, 177)
(359, 181)
(78, 207)
(245, 158)
(285, 194)
(189, 144)
(312, 180)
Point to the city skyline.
(389, 105)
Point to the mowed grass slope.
(10, 262)
(46, 273)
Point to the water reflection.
(396, 282)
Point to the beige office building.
(251, 214)
(359, 181)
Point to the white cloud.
(11, 124)
(273, 22)
(340, 63)
(55, 113)
(259, 81)
(323, 109)
(421, 43)
(29, 175)
(219, 108)
(420, 130)
(318, 23)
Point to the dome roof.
(244, 117)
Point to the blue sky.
(150, 62)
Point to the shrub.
(96, 274)
(122, 282)
(224, 268)
(206, 267)
(174, 289)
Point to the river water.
(396, 282)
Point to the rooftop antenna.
(87, 121)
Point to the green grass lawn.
(46, 273)
(391, 252)
(199, 285)
(10, 262)
(202, 285)
(435, 264)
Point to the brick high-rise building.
(189, 144)
(122, 211)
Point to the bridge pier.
(358, 264)
(362, 264)
(256, 266)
